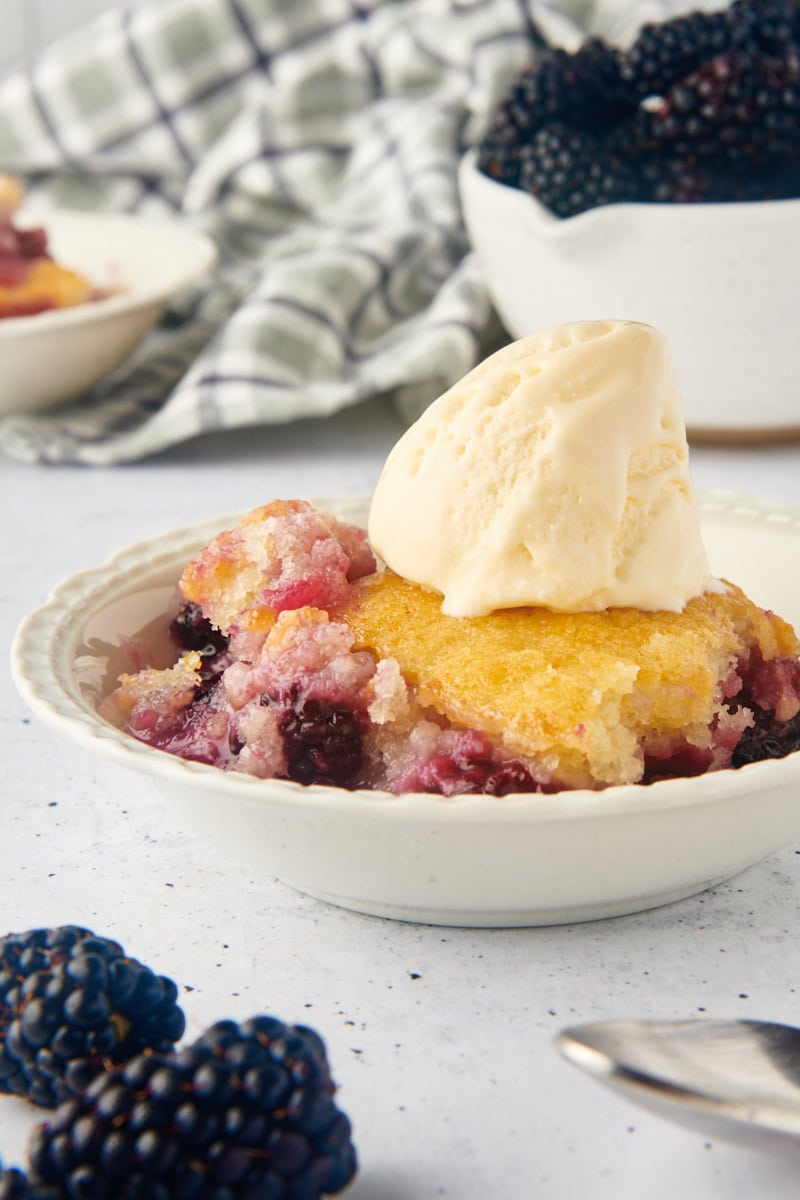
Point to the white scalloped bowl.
(721, 281)
(470, 860)
(55, 355)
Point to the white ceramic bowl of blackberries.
(659, 183)
(134, 267)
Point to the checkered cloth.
(317, 142)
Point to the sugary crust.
(585, 693)
(164, 692)
(226, 580)
(285, 554)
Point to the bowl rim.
(708, 211)
(74, 600)
(126, 301)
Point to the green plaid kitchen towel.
(317, 142)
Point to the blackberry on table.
(71, 1002)
(245, 1112)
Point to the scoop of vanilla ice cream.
(555, 473)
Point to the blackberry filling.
(322, 743)
(682, 762)
(768, 738)
(18, 249)
(246, 1111)
(450, 775)
(190, 630)
(15, 1185)
(200, 733)
(768, 689)
(72, 1003)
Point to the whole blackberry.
(570, 171)
(246, 1112)
(737, 106)
(322, 742)
(584, 89)
(666, 52)
(71, 1002)
(668, 179)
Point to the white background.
(29, 24)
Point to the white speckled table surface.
(441, 1039)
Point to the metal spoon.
(734, 1080)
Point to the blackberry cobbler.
(30, 281)
(299, 659)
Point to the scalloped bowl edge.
(469, 860)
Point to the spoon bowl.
(736, 1080)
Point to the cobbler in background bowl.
(30, 280)
(79, 291)
(661, 178)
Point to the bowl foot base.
(424, 914)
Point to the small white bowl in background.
(54, 355)
(721, 281)
(468, 860)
